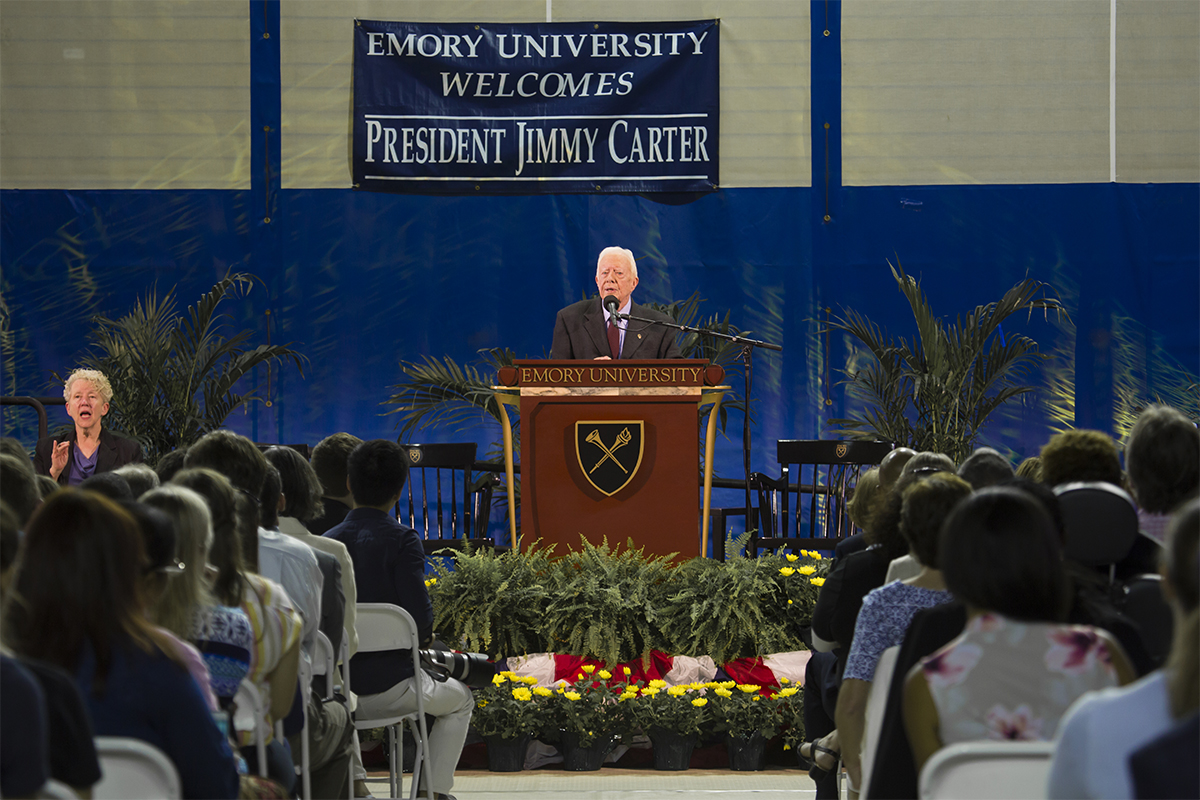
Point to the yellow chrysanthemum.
(677, 691)
(756, 697)
(700, 702)
(650, 691)
(512, 676)
(432, 581)
(748, 687)
(498, 679)
(572, 695)
(589, 668)
(482, 703)
(788, 692)
(793, 556)
(787, 571)
(542, 691)
(658, 683)
(530, 679)
(807, 570)
(696, 686)
(522, 694)
(604, 674)
(727, 684)
(817, 581)
(627, 670)
(784, 681)
(721, 690)
(789, 602)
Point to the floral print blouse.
(1005, 679)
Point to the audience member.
(24, 757)
(109, 484)
(47, 485)
(170, 464)
(1016, 668)
(1031, 468)
(985, 467)
(1165, 767)
(886, 475)
(905, 565)
(276, 625)
(886, 611)
(79, 582)
(1080, 455)
(140, 478)
(90, 448)
(1162, 455)
(389, 567)
(19, 487)
(329, 460)
(1102, 729)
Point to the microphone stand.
(747, 345)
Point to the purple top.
(81, 467)
(885, 615)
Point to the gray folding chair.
(134, 770)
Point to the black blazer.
(115, 451)
(579, 332)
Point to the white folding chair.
(322, 664)
(134, 770)
(382, 626)
(876, 707)
(248, 697)
(56, 790)
(987, 770)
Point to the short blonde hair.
(628, 254)
(92, 376)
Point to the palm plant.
(937, 391)
(174, 377)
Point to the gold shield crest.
(414, 455)
(609, 452)
(840, 450)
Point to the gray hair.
(621, 251)
(92, 376)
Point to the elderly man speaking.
(584, 330)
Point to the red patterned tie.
(614, 340)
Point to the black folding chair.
(805, 507)
(447, 502)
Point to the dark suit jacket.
(579, 332)
(841, 597)
(115, 451)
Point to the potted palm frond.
(936, 391)
(175, 377)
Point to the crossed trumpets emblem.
(623, 438)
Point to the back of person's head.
(892, 465)
(226, 553)
(377, 471)
(928, 462)
(885, 515)
(329, 460)
(301, 487)
(12, 447)
(985, 467)
(10, 537)
(1000, 553)
(1045, 497)
(1182, 569)
(170, 464)
(1030, 468)
(1080, 455)
(47, 485)
(79, 580)
(159, 540)
(19, 486)
(865, 492)
(924, 507)
(188, 591)
(268, 499)
(234, 456)
(1162, 455)
(109, 484)
(140, 478)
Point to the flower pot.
(506, 755)
(672, 751)
(746, 752)
(585, 759)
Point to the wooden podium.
(611, 448)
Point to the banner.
(580, 107)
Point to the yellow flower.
(787, 571)
(482, 703)
(650, 691)
(627, 670)
(789, 602)
(589, 668)
(498, 679)
(604, 674)
(784, 681)
(561, 689)
(748, 687)
(807, 570)
(658, 683)
(727, 684)
(542, 691)
(756, 697)
(787, 746)
(697, 686)
(817, 581)
(530, 679)
(627, 695)
(723, 692)
(793, 556)
(677, 691)
(522, 694)
(788, 692)
(700, 702)
(433, 581)
(512, 676)
(572, 695)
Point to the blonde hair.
(621, 251)
(92, 376)
(186, 593)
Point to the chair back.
(806, 505)
(444, 500)
(1141, 599)
(985, 770)
(1101, 522)
(876, 708)
(383, 626)
(134, 770)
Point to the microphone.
(612, 305)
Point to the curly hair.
(925, 506)
(93, 376)
(1080, 456)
